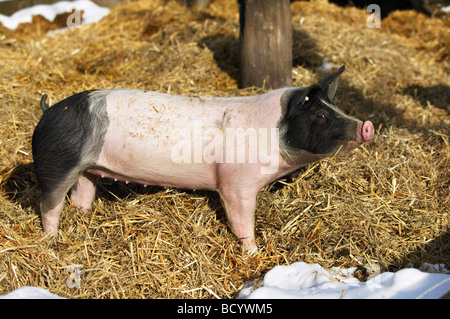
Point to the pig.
(187, 142)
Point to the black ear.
(298, 99)
(329, 83)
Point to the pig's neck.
(288, 166)
(296, 158)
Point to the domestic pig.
(233, 145)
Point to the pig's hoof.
(49, 230)
(249, 246)
(50, 237)
(81, 207)
(252, 251)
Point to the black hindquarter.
(59, 138)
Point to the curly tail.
(44, 105)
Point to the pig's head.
(312, 127)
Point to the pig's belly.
(152, 164)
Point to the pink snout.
(367, 131)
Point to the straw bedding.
(383, 205)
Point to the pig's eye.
(321, 115)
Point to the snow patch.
(301, 280)
(28, 292)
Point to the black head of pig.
(313, 126)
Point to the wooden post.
(198, 3)
(266, 43)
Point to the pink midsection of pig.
(145, 127)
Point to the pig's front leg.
(240, 205)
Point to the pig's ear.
(298, 100)
(329, 83)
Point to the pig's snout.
(367, 131)
(364, 133)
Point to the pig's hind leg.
(54, 187)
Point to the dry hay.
(386, 203)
